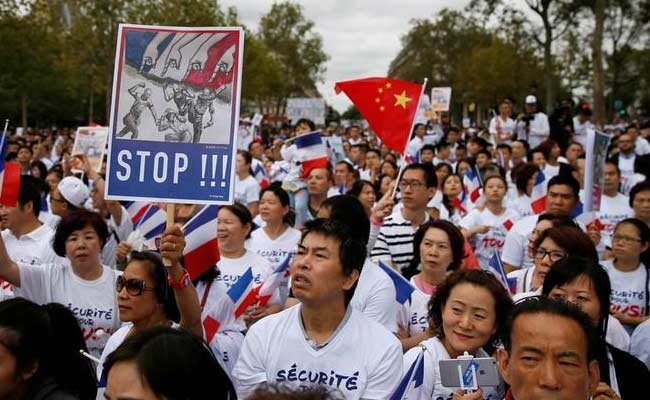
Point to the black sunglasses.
(134, 287)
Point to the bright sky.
(360, 36)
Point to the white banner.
(313, 109)
(440, 99)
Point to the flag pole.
(401, 168)
(4, 131)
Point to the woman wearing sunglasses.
(628, 271)
(551, 246)
(150, 294)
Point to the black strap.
(205, 294)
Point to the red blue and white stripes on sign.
(311, 151)
(201, 248)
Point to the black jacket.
(632, 375)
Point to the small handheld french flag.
(201, 248)
(152, 222)
(497, 267)
(411, 385)
(135, 209)
(241, 292)
(311, 152)
(538, 195)
(472, 184)
(403, 288)
(273, 282)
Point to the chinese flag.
(389, 106)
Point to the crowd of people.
(562, 303)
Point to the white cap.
(74, 191)
(530, 99)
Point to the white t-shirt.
(580, 130)
(361, 359)
(233, 268)
(414, 146)
(514, 249)
(640, 343)
(247, 191)
(485, 244)
(612, 211)
(524, 279)
(94, 303)
(375, 296)
(413, 314)
(520, 204)
(641, 146)
(432, 386)
(507, 128)
(629, 290)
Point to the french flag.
(136, 209)
(242, 294)
(587, 218)
(272, 282)
(152, 222)
(9, 175)
(403, 288)
(472, 183)
(221, 314)
(497, 268)
(201, 250)
(460, 203)
(311, 152)
(411, 385)
(538, 195)
(260, 175)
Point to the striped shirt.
(395, 240)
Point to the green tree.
(297, 49)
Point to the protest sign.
(313, 109)
(440, 99)
(423, 113)
(174, 114)
(245, 134)
(596, 149)
(91, 141)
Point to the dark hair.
(352, 250)
(446, 201)
(248, 159)
(557, 220)
(638, 188)
(174, 363)
(75, 221)
(392, 164)
(349, 166)
(544, 305)
(430, 178)
(506, 146)
(158, 273)
(615, 165)
(523, 143)
(429, 147)
(476, 277)
(29, 193)
(546, 147)
(358, 186)
(466, 161)
(312, 126)
(445, 165)
(644, 236)
(41, 168)
(524, 172)
(569, 269)
(348, 210)
(568, 181)
(456, 242)
(50, 336)
(280, 391)
(242, 213)
(276, 188)
(377, 152)
(571, 240)
(442, 144)
(499, 177)
(24, 146)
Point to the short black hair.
(456, 241)
(284, 391)
(430, 178)
(347, 210)
(544, 305)
(374, 151)
(174, 363)
(75, 221)
(429, 147)
(568, 181)
(638, 188)
(29, 193)
(476, 277)
(352, 250)
(349, 166)
(569, 269)
(308, 122)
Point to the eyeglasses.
(625, 239)
(554, 256)
(415, 185)
(134, 287)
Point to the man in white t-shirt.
(582, 124)
(502, 127)
(533, 125)
(322, 341)
(69, 195)
(614, 206)
(641, 145)
(561, 198)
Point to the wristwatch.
(182, 283)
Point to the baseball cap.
(74, 191)
(530, 99)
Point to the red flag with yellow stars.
(389, 106)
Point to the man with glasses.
(69, 195)
(561, 199)
(394, 243)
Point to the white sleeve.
(640, 343)
(493, 127)
(125, 227)
(385, 377)
(514, 248)
(470, 220)
(34, 280)
(380, 251)
(250, 368)
(252, 193)
(382, 307)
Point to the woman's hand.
(172, 245)
(256, 313)
(605, 392)
(463, 395)
(123, 249)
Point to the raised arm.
(171, 248)
(9, 270)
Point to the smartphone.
(487, 373)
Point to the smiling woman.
(468, 312)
